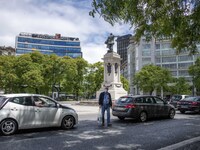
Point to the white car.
(25, 111)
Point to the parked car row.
(25, 111)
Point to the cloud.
(69, 18)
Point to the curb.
(182, 144)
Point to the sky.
(70, 18)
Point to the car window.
(158, 100)
(17, 100)
(190, 99)
(187, 96)
(43, 102)
(28, 101)
(140, 100)
(149, 100)
(176, 97)
(2, 100)
(125, 100)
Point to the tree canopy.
(177, 20)
(151, 78)
(44, 74)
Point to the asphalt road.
(123, 135)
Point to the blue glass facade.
(61, 46)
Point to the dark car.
(142, 108)
(176, 98)
(189, 104)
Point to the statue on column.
(110, 42)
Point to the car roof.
(180, 95)
(135, 96)
(20, 94)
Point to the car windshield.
(176, 97)
(124, 100)
(190, 99)
(2, 100)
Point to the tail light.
(194, 103)
(130, 106)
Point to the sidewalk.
(82, 108)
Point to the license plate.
(184, 106)
(119, 108)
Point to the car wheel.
(143, 116)
(8, 127)
(182, 111)
(121, 118)
(171, 113)
(68, 122)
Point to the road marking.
(181, 144)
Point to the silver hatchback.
(25, 111)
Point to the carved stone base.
(115, 89)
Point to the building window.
(184, 65)
(166, 45)
(157, 53)
(174, 73)
(158, 60)
(185, 58)
(169, 52)
(183, 73)
(169, 66)
(168, 59)
(157, 46)
(146, 46)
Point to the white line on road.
(181, 144)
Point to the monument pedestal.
(112, 76)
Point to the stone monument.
(112, 71)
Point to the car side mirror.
(58, 105)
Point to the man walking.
(105, 102)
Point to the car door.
(23, 110)
(150, 106)
(47, 112)
(161, 107)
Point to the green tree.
(29, 74)
(67, 83)
(125, 83)
(151, 78)
(78, 79)
(181, 86)
(8, 76)
(93, 78)
(175, 19)
(194, 71)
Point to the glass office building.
(48, 44)
(160, 53)
(122, 48)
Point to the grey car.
(142, 107)
(25, 111)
